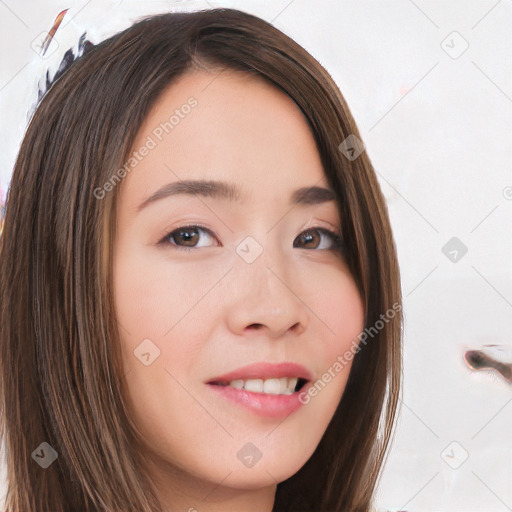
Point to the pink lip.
(265, 404)
(264, 371)
(271, 406)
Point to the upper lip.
(264, 370)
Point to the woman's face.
(262, 281)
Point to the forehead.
(225, 126)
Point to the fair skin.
(208, 310)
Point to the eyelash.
(336, 238)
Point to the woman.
(200, 294)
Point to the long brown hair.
(61, 376)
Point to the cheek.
(146, 308)
(339, 307)
(160, 312)
(164, 302)
(341, 310)
(151, 294)
(342, 307)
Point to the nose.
(266, 301)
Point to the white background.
(437, 126)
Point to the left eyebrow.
(231, 192)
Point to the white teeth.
(238, 384)
(254, 385)
(291, 385)
(272, 386)
(281, 386)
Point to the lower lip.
(265, 404)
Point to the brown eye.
(312, 238)
(187, 237)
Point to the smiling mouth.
(273, 386)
